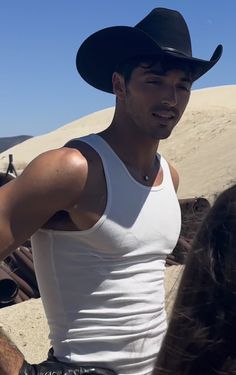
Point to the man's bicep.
(26, 203)
(50, 183)
(23, 209)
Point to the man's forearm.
(11, 359)
(7, 241)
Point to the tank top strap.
(111, 162)
(114, 168)
(167, 178)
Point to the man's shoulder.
(57, 167)
(60, 159)
(65, 165)
(174, 176)
(84, 151)
(81, 146)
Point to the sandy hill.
(202, 147)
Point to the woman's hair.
(201, 337)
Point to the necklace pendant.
(146, 178)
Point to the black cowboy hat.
(162, 31)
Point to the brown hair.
(201, 337)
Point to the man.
(103, 210)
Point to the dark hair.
(201, 337)
(127, 67)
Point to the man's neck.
(133, 148)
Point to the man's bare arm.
(52, 182)
(11, 358)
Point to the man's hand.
(180, 252)
(171, 260)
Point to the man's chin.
(161, 135)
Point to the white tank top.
(103, 288)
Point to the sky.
(40, 89)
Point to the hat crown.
(168, 29)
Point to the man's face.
(156, 99)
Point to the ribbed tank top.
(103, 288)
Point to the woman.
(201, 338)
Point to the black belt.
(58, 368)
(54, 367)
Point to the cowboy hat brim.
(100, 54)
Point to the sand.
(202, 148)
(26, 325)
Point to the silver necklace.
(147, 177)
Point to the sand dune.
(202, 147)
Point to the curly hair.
(202, 331)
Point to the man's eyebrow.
(154, 71)
(160, 72)
(186, 79)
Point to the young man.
(102, 211)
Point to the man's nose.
(169, 97)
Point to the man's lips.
(164, 114)
(165, 117)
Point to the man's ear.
(119, 87)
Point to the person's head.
(201, 335)
(149, 67)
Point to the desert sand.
(202, 147)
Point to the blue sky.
(40, 89)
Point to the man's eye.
(154, 81)
(185, 88)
